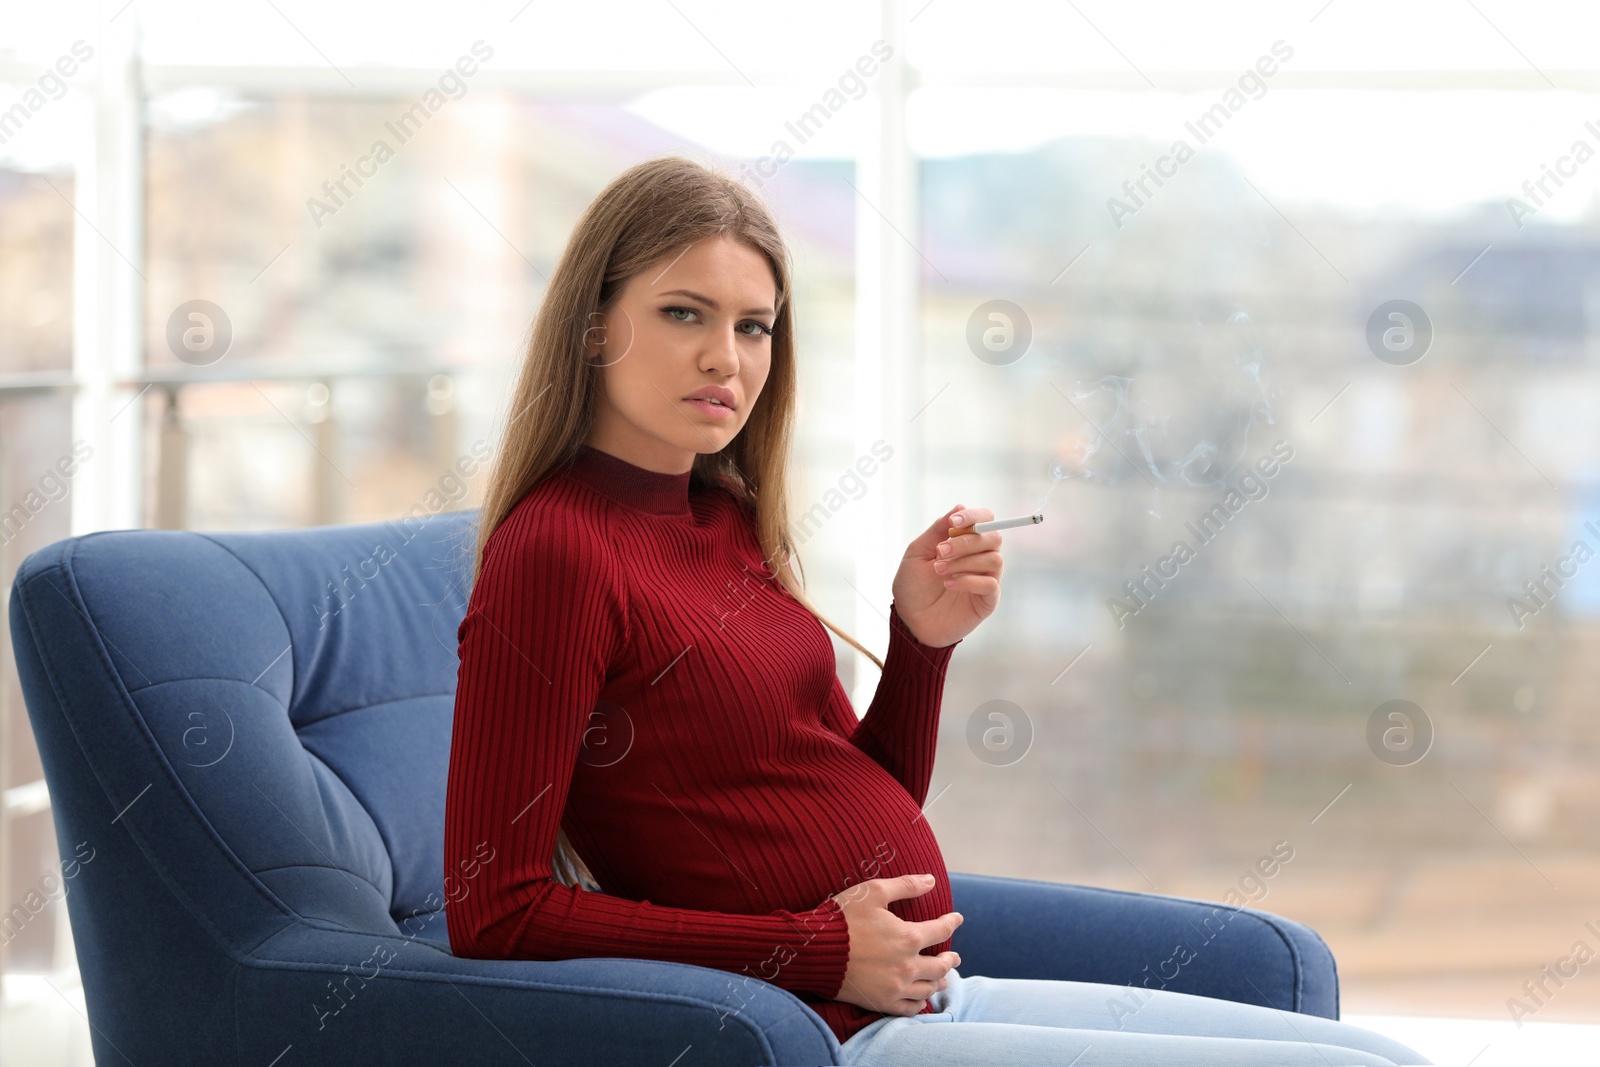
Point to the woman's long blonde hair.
(650, 211)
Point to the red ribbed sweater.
(630, 672)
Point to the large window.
(387, 311)
(1315, 432)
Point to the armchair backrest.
(265, 716)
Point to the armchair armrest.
(351, 997)
(355, 997)
(1019, 928)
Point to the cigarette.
(998, 524)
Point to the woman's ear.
(594, 337)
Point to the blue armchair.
(246, 738)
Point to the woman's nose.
(726, 351)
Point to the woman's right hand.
(887, 971)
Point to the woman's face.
(693, 321)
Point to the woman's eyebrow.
(710, 303)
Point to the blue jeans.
(994, 1022)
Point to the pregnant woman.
(647, 700)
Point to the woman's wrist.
(816, 962)
(898, 622)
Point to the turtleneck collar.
(631, 486)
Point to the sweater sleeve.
(900, 730)
(546, 618)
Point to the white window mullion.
(108, 291)
(886, 310)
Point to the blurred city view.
(1132, 716)
(1229, 710)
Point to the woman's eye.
(761, 328)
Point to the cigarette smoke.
(1120, 439)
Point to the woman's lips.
(716, 411)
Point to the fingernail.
(957, 519)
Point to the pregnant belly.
(787, 841)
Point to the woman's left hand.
(947, 585)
